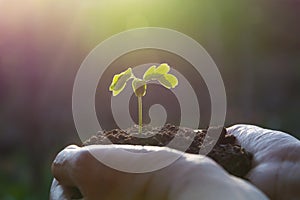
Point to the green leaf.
(149, 73)
(154, 73)
(172, 80)
(163, 69)
(139, 87)
(116, 92)
(119, 81)
(168, 80)
(160, 74)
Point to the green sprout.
(139, 86)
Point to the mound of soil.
(231, 156)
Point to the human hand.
(276, 160)
(190, 177)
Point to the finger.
(64, 163)
(76, 167)
(263, 143)
(276, 160)
(189, 176)
(208, 181)
(57, 192)
(60, 192)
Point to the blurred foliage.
(42, 44)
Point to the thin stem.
(140, 114)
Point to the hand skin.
(276, 164)
(190, 177)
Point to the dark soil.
(231, 156)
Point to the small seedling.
(139, 86)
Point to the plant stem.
(140, 105)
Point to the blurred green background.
(255, 44)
